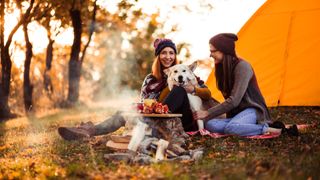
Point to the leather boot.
(85, 130)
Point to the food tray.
(152, 115)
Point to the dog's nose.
(180, 78)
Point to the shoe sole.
(66, 134)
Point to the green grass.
(31, 148)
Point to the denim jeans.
(243, 124)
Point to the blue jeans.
(243, 124)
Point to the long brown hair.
(224, 74)
(157, 68)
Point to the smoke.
(112, 67)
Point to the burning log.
(138, 134)
(162, 146)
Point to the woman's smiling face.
(216, 54)
(167, 57)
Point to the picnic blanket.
(204, 132)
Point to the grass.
(30, 148)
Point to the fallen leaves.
(37, 152)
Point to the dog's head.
(181, 75)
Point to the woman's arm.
(145, 92)
(151, 88)
(203, 92)
(243, 74)
(164, 93)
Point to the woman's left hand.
(189, 88)
(197, 115)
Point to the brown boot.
(85, 130)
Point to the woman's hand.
(190, 88)
(200, 115)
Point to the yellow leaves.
(241, 154)
(4, 147)
(14, 175)
(214, 154)
(261, 166)
(98, 177)
(154, 17)
(242, 144)
(34, 151)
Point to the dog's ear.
(193, 66)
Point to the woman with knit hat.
(153, 87)
(244, 105)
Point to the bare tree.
(75, 63)
(49, 57)
(6, 61)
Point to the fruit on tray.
(160, 108)
(149, 102)
(152, 106)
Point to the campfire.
(152, 139)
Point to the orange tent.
(282, 43)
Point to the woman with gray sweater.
(244, 105)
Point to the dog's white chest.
(195, 102)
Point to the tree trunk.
(6, 62)
(2, 6)
(27, 86)
(5, 84)
(74, 63)
(91, 30)
(47, 79)
(5, 71)
(5, 66)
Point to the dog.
(182, 75)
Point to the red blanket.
(205, 132)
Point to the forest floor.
(30, 148)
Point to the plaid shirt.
(151, 88)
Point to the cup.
(137, 107)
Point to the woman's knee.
(178, 90)
(231, 128)
(213, 126)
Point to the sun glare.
(37, 35)
(10, 21)
(65, 37)
(110, 6)
(195, 26)
(18, 57)
(95, 75)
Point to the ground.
(31, 148)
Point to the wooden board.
(115, 145)
(152, 115)
(120, 139)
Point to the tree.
(4, 109)
(49, 56)
(38, 12)
(51, 34)
(75, 62)
(6, 61)
(27, 86)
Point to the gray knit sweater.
(245, 94)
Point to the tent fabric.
(282, 43)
